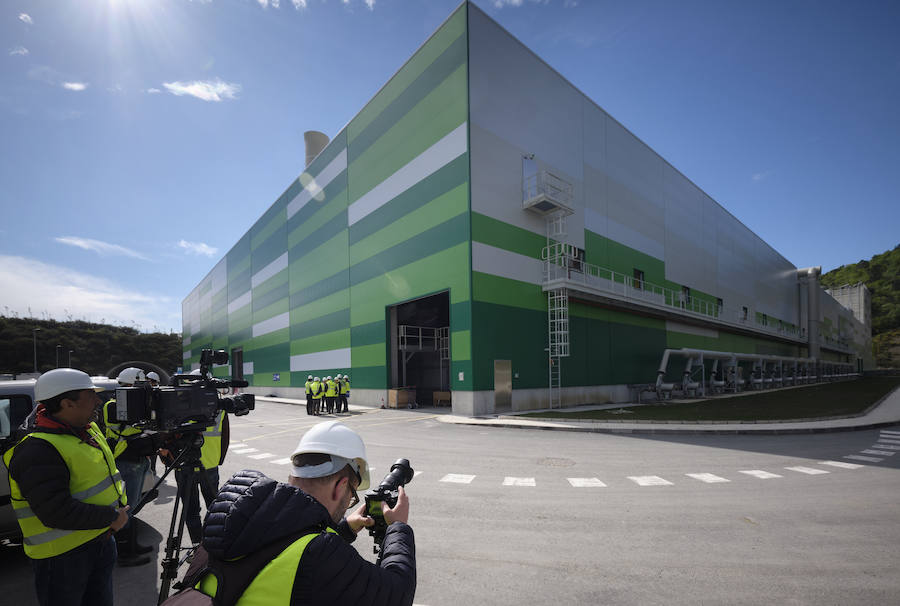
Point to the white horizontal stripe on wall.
(248, 368)
(333, 358)
(499, 262)
(269, 270)
(318, 183)
(241, 301)
(272, 324)
(187, 339)
(451, 146)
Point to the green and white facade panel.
(421, 193)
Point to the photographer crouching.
(290, 543)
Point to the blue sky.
(141, 138)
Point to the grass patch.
(813, 401)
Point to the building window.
(745, 312)
(765, 320)
(685, 296)
(638, 282)
(720, 305)
(576, 259)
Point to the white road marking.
(509, 481)
(586, 483)
(233, 446)
(416, 474)
(890, 432)
(887, 446)
(883, 453)
(807, 470)
(264, 455)
(841, 464)
(649, 481)
(888, 440)
(245, 450)
(762, 475)
(862, 458)
(458, 478)
(281, 461)
(707, 478)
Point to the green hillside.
(881, 274)
(96, 347)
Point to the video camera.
(190, 400)
(400, 475)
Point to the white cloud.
(370, 4)
(101, 248)
(298, 4)
(207, 90)
(153, 91)
(198, 248)
(266, 3)
(77, 86)
(62, 292)
(19, 50)
(502, 3)
(757, 177)
(26, 18)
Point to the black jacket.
(252, 511)
(43, 478)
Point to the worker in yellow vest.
(316, 391)
(309, 381)
(67, 494)
(212, 454)
(344, 394)
(331, 393)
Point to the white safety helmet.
(342, 443)
(130, 376)
(309, 378)
(195, 372)
(59, 381)
(152, 376)
(317, 379)
(328, 378)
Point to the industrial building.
(484, 232)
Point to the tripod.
(187, 460)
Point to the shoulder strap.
(234, 576)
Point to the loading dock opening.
(419, 337)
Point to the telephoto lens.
(401, 474)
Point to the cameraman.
(318, 566)
(67, 494)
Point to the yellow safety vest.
(307, 385)
(269, 588)
(316, 387)
(330, 389)
(118, 431)
(345, 386)
(211, 451)
(93, 479)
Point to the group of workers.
(72, 485)
(328, 396)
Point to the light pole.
(58, 347)
(34, 332)
(70, 357)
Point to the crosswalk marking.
(263, 455)
(586, 483)
(841, 464)
(510, 481)
(890, 432)
(882, 453)
(649, 481)
(762, 475)
(707, 478)
(887, 446)
(888, 440)
(458, 478)
(233, 446)
(807, 470)
(281, 461)
(245, 450)
(863, 458)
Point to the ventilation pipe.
(315, 143)
(812, 310)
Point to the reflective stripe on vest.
(93, 479)
(316, 389)
(345, 387)
(269, 587)
(117, 431)
(330, 389)
(307, 385)
(211, 451)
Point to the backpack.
(232, 577)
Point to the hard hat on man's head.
(55, 382)
(340, 442)
(309, 378)
(152, 376)
(130, 376)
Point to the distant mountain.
(96, 348)
(881, 274)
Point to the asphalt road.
(522, 516)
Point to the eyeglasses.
(354, 498)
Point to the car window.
(5, 421)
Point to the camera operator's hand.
(400, 511)
(122, 518)
(358, 519)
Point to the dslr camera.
(189, 400)
(400, 475)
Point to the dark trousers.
(329, 403)
(315, 404)
(342, 403)
(80, 577)
(208, 484)
(309, 404)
